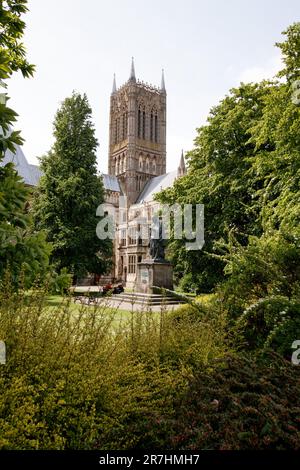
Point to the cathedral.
(136, 168)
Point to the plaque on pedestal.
(152, 273)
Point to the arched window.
(124, 125)
(116, 131)
(156, 128)
(144, 125)
(141, 122)
(153, 116)
(154, 166)
(151, 126)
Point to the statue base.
(154, 273)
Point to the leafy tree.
(70, 192)
(280, 123)
(264, 276)
(276, 253)
(20, 250)
(12, 59)
(220, 176)
(291, 53)
(24, 253)
(244, 169)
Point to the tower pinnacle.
(114, 88)
(182, 168)
(163, 86)
(132, 71)
(137, 134)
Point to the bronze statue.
(156, 245)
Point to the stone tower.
(137, 134)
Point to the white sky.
(206, 47)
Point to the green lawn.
(55, 301)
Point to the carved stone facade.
(137, 135)
(136, 168)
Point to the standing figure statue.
(156, 245)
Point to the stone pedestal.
(153, 273)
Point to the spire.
(163, 86)
(114, 88)
(182, 168)
(132, 71)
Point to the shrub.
(240, 403)
(187, 283)
(267, 266)
(185, 312)
(272, 322)
(60, 282)
(85, 379)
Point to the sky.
(205, 47)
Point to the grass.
(54, 301)
(205, 299)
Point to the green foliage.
(266, 266)
(270, 323)
(24, 252)
(60, 282)
(189, 283)
(12, 59)
(261, 294)
(188, 336)
(263, 277)
(279, 168)
(187, 311)
(220, 177)
(83, 380)
(290, 51)
(238, 404)
(244, 169)
(12, 30)
(70, 191)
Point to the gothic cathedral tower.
(137, 134)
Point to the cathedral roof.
(111, 183)
(155, 185)
(30, 173)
